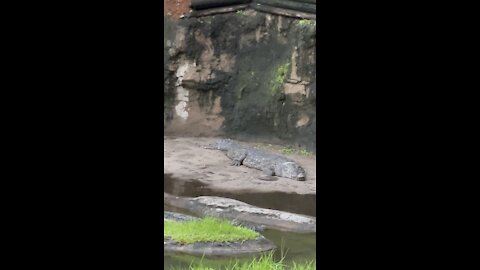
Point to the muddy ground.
(186, 159)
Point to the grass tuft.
(279, 76)
(240, 12)
(265, 262)
(206, 230)
(288, 150)
(306, 22)
(306, 266)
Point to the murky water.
(294, 203)
(293, 247)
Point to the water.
(294, 203)
(295, 247)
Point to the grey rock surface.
(242, 212)
(248, 247)
(177, 216)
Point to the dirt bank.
(176, 8)
(186, 159)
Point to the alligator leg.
(237, 156)
(268, 172)
(267, 175)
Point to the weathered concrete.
(235, 210)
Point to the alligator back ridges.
(270, 164)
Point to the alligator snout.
(301, 177)
(209, 146)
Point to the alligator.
(269, 164)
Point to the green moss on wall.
(306, 23)
(279, 76)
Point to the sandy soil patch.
(176, 8)
(186, 159)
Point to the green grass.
(306, 266)
(265, 262)
(279, 76)
(206, 230)
(306, 22)
(288, 150)
(240, 12)
(305, 152)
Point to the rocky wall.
(244, 75)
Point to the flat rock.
(248, 247)
(242, 212)
(177, 216)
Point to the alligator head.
(293, 171)
(222, 144)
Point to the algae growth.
(279, 76)
(306, 23)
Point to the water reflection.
(292, 246)
(295, 203)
